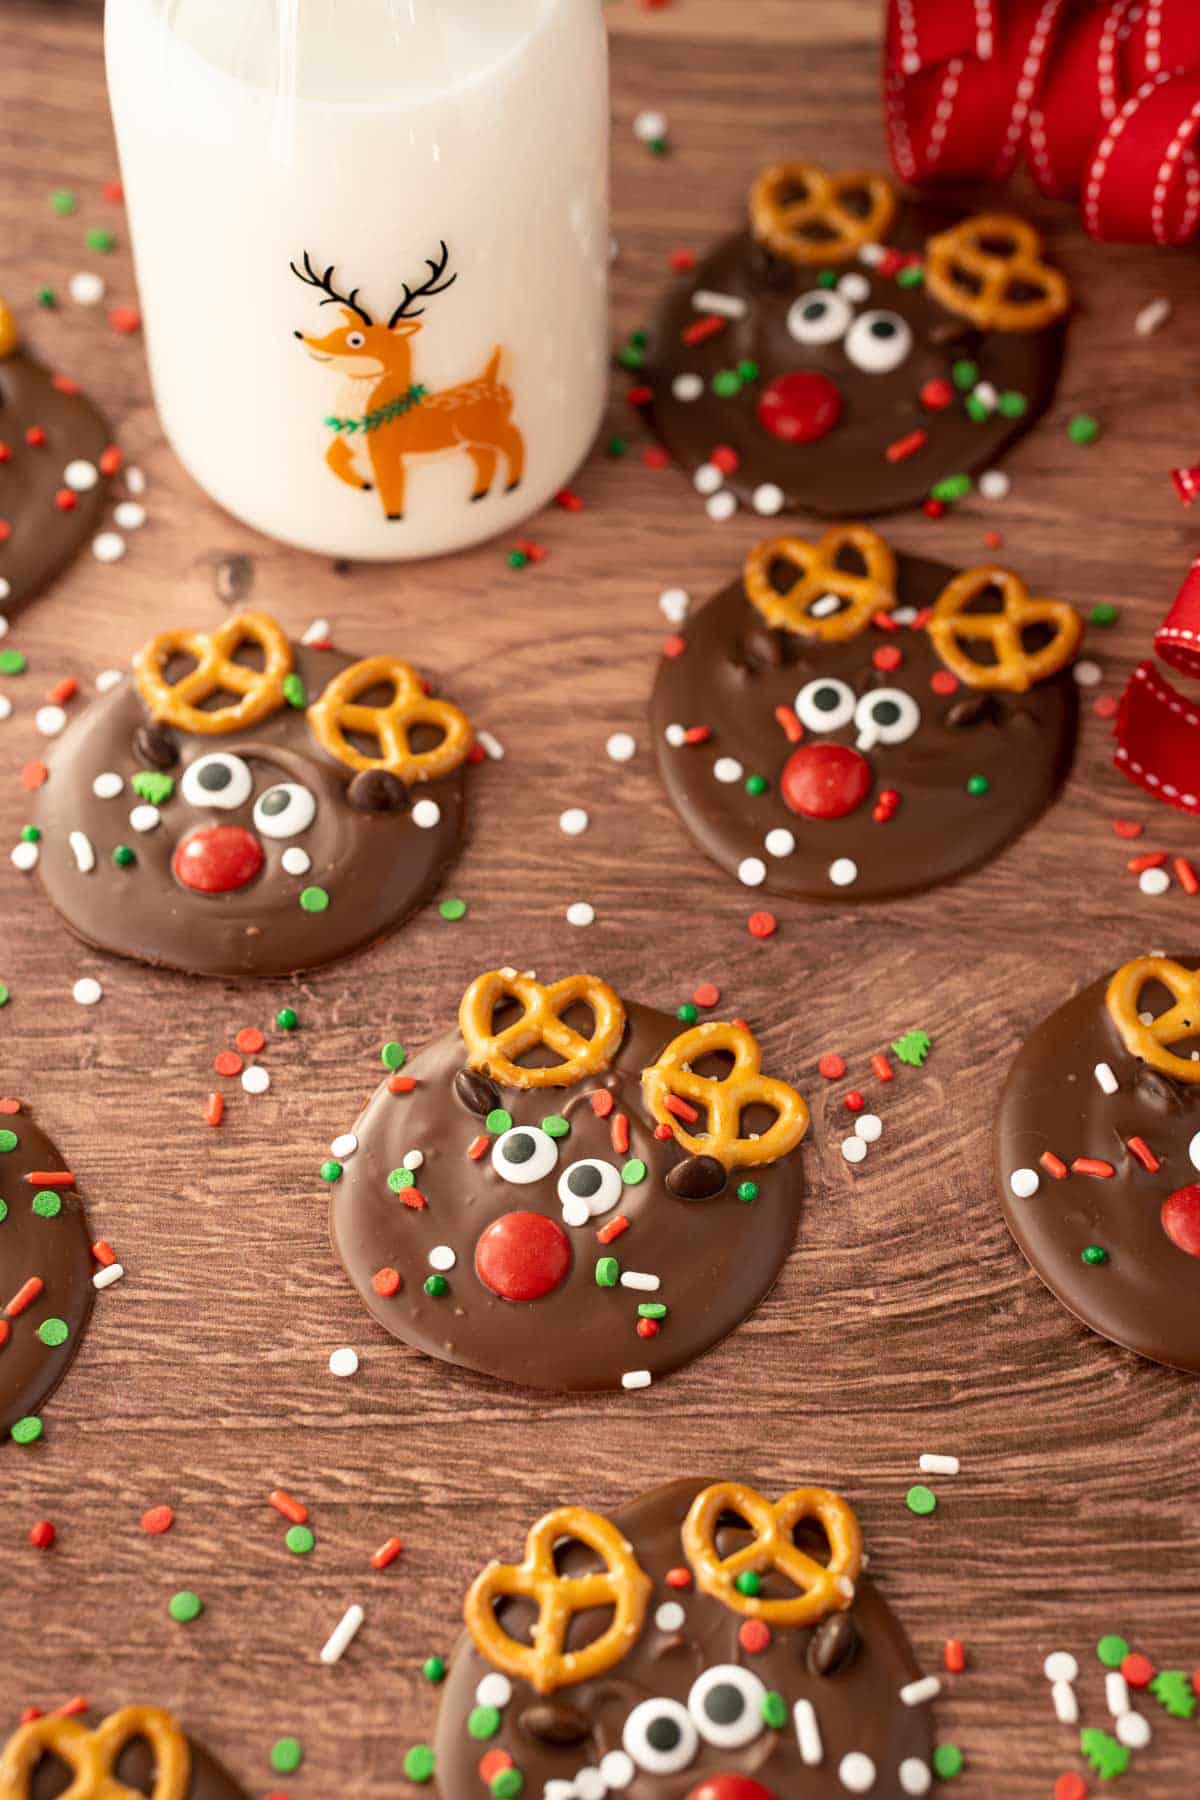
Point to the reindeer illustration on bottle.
(400, 419)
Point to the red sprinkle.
(933, 509)
(697, 734)
(854, 1101)
(402, 1084)
(55, 1178)
(682, 1109)
(679, 1578)
(1138, 1147)
(1106, 706)
(294, 1511)
(66, 384)
(1070, 1787)
(903, 447)
(637, 396)
(1152, 859)
(33, 775)
(602, 1102)
(478, 1146)
(707, 994)
(65, 500)
(655, 457)
(158, 1520)
(703, 329)
(1093, 1165)
(71, 1709)
(613, 1229)
(414, 1198)
(10, 1106)
(387, 1553)
(832, 1066)
(954, 1656)
(110, 460)
(1054, 1165)
(943, 682)
(647, 1328)
(214, 1111)
(25, 1296)
(682, 260)
(937, 395)
(1137, 1669)
(887, 657)
(493, 1763)
(763, 924)
(663, 1133)
(125, 318)
(726, 459)
(1186, 876)
(793, 730)
(35, 436)
(992, 540)
(754, 1636)
(386, 1282)
(250, 1040)
(42, 1535)
(620, 1133)
(882, 1067)
(104, 1253)
(1128, 828)
(568, 501)
(883, 621)
(64, 690)
(228, 1062)
(5, 531)
(674, 646)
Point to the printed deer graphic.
(398, 419)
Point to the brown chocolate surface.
(376, 866)
(1146, 1295)
(845, 472)
(55, 1249)
(857, 1703)
(734, 673)
(136, 1769)
(43, 536)
(715, 1257)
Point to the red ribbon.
(1157, 729)
(1101, 98)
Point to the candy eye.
(660, 1737)
(523, 1154)
(285, 810)
(878, 341)
(217, 780)
(886, 716)
(587, 1189)
(355, 340)
(825, 705)
(727, 1705)
(819, 317)
(1194, 1151)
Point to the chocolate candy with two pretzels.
(853, 349)
(847, 724)
(136, 1753)
(569, 1191)
(705, 1643)
(244, 805)
(1098, 1156)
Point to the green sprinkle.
(658, 147)
(965, 374)
(436, 1286)
(287, 1019)
(453, 909)
(747, 1190)
(633, 1172)
(1094, 1255)
(978, 784)
(314, 899)
(756, 784)
(63, 202)
(483, 1721)
(748, 371)
(947, 1761)
(638, 339)
(1083, 429)
(827, 278)
(54, 1332)
(954, 487)
(401, 1178)
(497, 1121)
(123, 856)
(31, 834)
(921, 1500)
(631, 357)
(331, 1170)
(749, 1582)
(27, 1431)
(46, 297)
(911, 277)
(1173, 1689)
(652, 1309)
(913, 1048)
(688, 1013)
(287, 1753)
(12, 662)
(517, 559)
(509, 1783)
(3, 993)
(47, 1204)
(1104, 613)
(8, 1140)
(774, 1711)
(393, 1055)
(97, 238)
(1112, 1651)
(977, 409)
(1012, 404)
(616, 447)
(726, 383)
(185, 1606)
(608, 1271)
(556, 1126)
(300, 1540)
(3, 1211)
(434, 1669)
(418, 1764)
(294, 690)
(152, 785)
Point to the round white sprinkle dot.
(856, 1772)
(50, 720)
(1154, 881)
(5, 707)
(442, 1257)
(915, 1777)
(108, 679)
(580, 913)
(1024, 1184)
(1133, 1730)
(135, 479)
(86, 288)
(575, 1211)
(145, 817)
(344, 1362)
(752, 871)
(721, 506)
(994, 484)
(1088, 673)
(256, 1079)
(589, 1784)
(621, 746)
(869, 1127)
(649, 126)
(87, 991)
(129, 515)
(81, 475)
(779, 842)
(670, 1616)
(618, 1769)
(82, 851)
(425, 814)
(1194, 1151)
(727, 768)
(854, 1149)
(676, 736)
(768, 499)
(573, 821)
(854, 287)
(108, 785)
(109, 547)
(674, 604)
(843, 872)
(344, 1146)
(494, 1690)
(24, 856)
(414, 1159)
(295, 861)
(687, 387)
(708, 479)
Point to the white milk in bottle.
(372, 242)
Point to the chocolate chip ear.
(972, 709)
(155, 747)
(476, 1092)
(697, 1178)
(832, 1645)
(555, 1722)
(374, 790)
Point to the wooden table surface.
(905, 1321)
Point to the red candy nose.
(523, 1256)
(801, 407)
(217, 859)
(731, 1787)
(825, 781)
(1181, 1218)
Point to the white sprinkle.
(617, 1768)
(645, 1284)
(915, 1777)
(854, 1150)
(1105, 1078)
(752, 871)
(904, 615)
(343, 1146)
(295, 861)
(727, 769)
(442, 1257)
(1116, 1693)
(869, 1127)
(104, 1278)
(994, 484)
(650, 126)
(1152, 317)
(843, 872)
(808, 1733)
(854, 287)
(491, 746)
(581, 913)
(636, 1378)
(256, 1079)
(87, 991)
(674, 603)
(827, 607)
(144, 817)
(1060, 1665)
(573, 821)
(845, 1585)
(343, 1635)
(708, 478)
(768, 499)
(413, 1159)
(1133, 1730)
(871, 254)
(82, 851)
(721, 506)
(589, 1784)
(81, 475)
(915, 1693)
(559, 1790)
(108, 547)
(344, 1362)
(779, 842)
(726, 306)
(425, 814)
(108, 679)
(1087, 673)
(24, 856)
(985, 393)
(129, 515)
(50, 720)
(688, 387)
(856, 1772)
(108, 785)
(494, 1690)
(575, 1211)
(1154, 882)
(670, 1616)
(1066, 1707)
(5, 707)
(676, 736)
(5, 591)
(621, 747)
(1024, 1183)
(135, 479)
(930, 1463)
(1194, 1151)
(86, 288)
(319, 632)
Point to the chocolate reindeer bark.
(248, 806)
(1098, 1155)
(846, 724)
(569, 1192)
(703, 1644)
(853, 349)
(46, 1268)
(137, 1751)
(52, 453)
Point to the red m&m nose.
(801, 407)
(217, 859)
(731, 1787)
(825, 781)
(1181, 1218)
(522, 1256)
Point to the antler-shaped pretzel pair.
(823, 1588)
(495, 1053)
(1152, 1042)
(725, 1099)
(1015, 668)
(819, 576)
(262, 692)
(801, 213)
(989, 269)
(546, 1663)
(92, 1756)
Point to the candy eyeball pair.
(876, 341)
(587, 1187)
(225, 781)
(724, 1708)
(882, 715)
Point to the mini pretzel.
(823, 1588)
(9, 336)
(178, 702)
(779, 216)
(724, 1100)
(1015, 669)
(338, 711)
(993, 301)
(1151, 1042)
(495, 1053)
(546, 1663)
(819, 576)
(92, 1756)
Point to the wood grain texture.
(905, 1321)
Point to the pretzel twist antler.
(1015, 669)
(822, 1588)
(820, 575)
(178, 702)
(1152, 1042)
(495, 1053)
(339, 711)
(92, 1756)
(1009, 289)
(724, 1100)
(799, 211)
(546, 1663)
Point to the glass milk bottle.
(371, 240)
